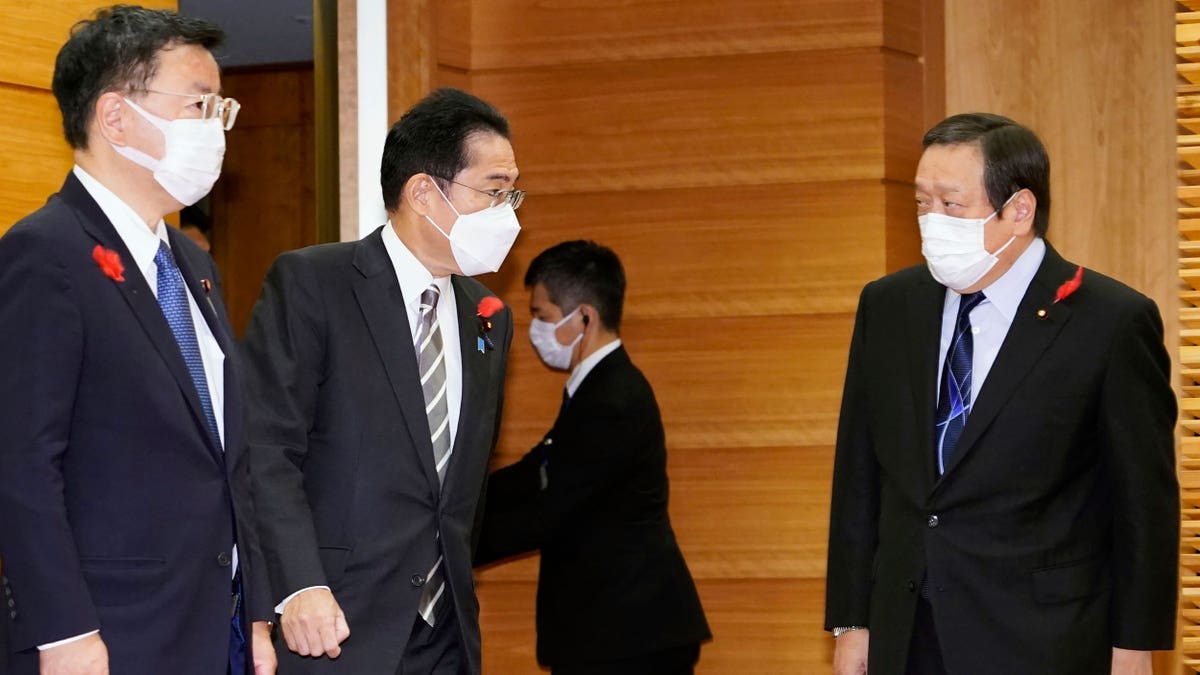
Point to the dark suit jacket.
(1052, 535)
(115, 500)
(612, 584)
(340, 450)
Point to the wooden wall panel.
(808, 247)
(31, 33)
(35, 158)
(684, 123)
(264, 203)
(522, 33)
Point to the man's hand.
(850, 653)
(264, 652)
(1130, 662)
(87, 656)
(313, 624)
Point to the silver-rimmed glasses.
(212, 106)
(513, 197)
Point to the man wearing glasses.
(126, 530)
(376, 372)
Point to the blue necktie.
(172, 297)
(954, 397)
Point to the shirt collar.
(1005, 293)
(141, 241)
(413, 276)
(585, 366)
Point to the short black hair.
(577, 272)
(117, 50)
(432, 138)
(1013, 158)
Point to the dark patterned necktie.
(954, 396)
(172, 297)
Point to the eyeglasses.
(212, 106)
(513, 197)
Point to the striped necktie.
(432, 365)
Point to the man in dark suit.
(614, 594)
(125, 518)
(1004, 497)
(377, 374)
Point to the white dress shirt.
(414, 278)
(991, 319)
(142, 243)
(585, 366)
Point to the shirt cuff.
(280, 607)
(52, 645)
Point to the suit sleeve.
(41, 354)
(284, 355)
(854, 510)
(593, 450)
(1138, 413)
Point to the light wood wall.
(1097, 85)
(750, 163)
(34, 158)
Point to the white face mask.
(481, 240)
(954, 249)
(193, 150)
(552, 352)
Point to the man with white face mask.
(126, 534)
(377, 375)
(614, 593)
(1004, 493)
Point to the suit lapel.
(137, 294)
(924, 325)
(474, 371)
(1028, 338)
(382, 304)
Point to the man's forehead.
(950, 168)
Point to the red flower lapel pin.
(484, 312)
(1068, 287)
(109, 262)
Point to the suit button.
(11, 603)
(8, 591)
(12, 614)
(912, 585)
(223, 559)
(417, 580)
(932, 522)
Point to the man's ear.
(1020, 212)
(108, 119)
(417, 192)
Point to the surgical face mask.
(481, 240)
(552, 352)
(193, 150)
(954, 248)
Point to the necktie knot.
(163, 259)
(429, 299)
(969, 302)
